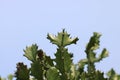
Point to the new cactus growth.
(61, 67)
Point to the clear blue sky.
(24, 22)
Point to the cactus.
(43, 67)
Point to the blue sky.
(25, 22)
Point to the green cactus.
(113, 75)
(43, 67)
(22, 72)
(53, 74)
(63, 57)
(91, 55)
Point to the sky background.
(25, 22)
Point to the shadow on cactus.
(61, 67)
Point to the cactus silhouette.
(43, 67)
